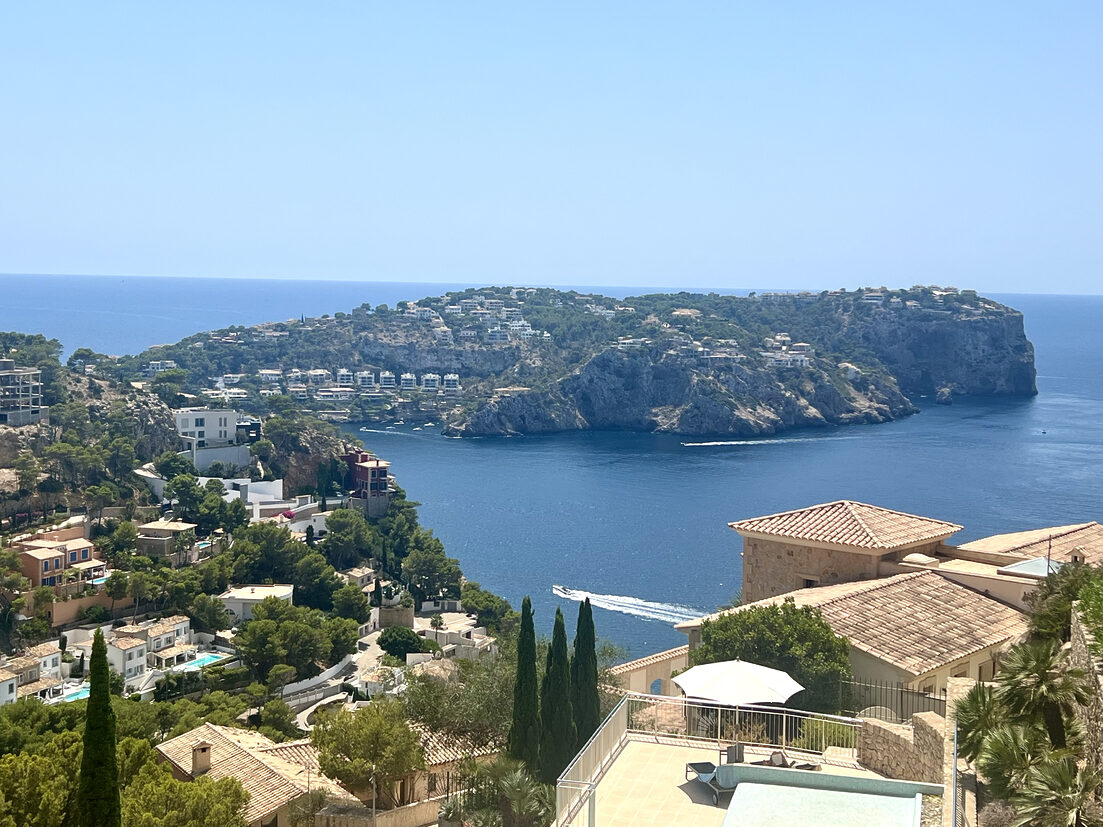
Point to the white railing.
(791, 730)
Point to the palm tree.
(1056, 794)
(1007, 756)
(978, 714)
(1035, 684)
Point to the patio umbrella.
(736, 682)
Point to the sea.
(639, 522)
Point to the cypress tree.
(98, 802)
(524, 735)
(585, 699)
(557, 730)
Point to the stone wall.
(772, 567)
(907, 752)
(1091, 714)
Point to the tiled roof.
(917, 622)
(34, 687)
(446, 749)
(650, 660)
(125, 643)
(268, 771)
(167, 624)
(43, 650)
(1057, 541)
(849, 523)
(5, 675)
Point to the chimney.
(200, 758)
(243, 492)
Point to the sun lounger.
(777, 759)
(724, 781)
(703, 771)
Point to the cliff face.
(642, 390)
(984, 355)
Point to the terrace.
(633, 770)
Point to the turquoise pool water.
(99, 580)
(78, 693)
(770, 797)
(204, 659)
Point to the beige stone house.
(835, 542)
(918, 628)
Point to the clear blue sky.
(705, 144)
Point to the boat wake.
(648, 610)
(762, 441)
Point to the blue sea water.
(640, 520)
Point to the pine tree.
(585, 700)
(557, 730)
(524, 735)
(98, 803)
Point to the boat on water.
(417, 428)
(563, 591)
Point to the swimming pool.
(98, 581)
(772, 797)
(201, 660)
(77, 693)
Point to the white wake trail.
(647, 609)
(761, 441)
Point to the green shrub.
(816, 735)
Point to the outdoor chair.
(732, 754)
(703, 771)
(777, 759)
(724, 781)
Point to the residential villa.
(216, 435)
(170, 540)
(240, 600)
(371, 482)
(168, 640)
(274, 775)
(59, 557)
(8, 683)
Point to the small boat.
(418, 428)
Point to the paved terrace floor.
(646, 785)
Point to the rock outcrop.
(645, 390)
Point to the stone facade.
(908, 752)
(772, 567)
(1091, 714)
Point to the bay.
(640, 520)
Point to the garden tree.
(277, 720)
(262, 449)
(124, 539)
(184, 493)
(585, 700)
(398, 641)
(557, 728)
(295, 635)
(377, 592)
(280, 676)
(430, 573)
(349, 601)
(371, 747)
(209, 614)
(1050, 604)
(524, 734)
(138, 588)
(348, 538)
(170, 465)
(156, 799)
(1058, 793)
(1007, 756)
(37, 788)
(98, 803)
(1035, 683)
(524, 801)
(98, 497)
(795, 639)
(315, 581)
(493, 612)
(27, 470)
(122, 456)
(473, 705)
(117, 586)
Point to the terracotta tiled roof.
(167, 624)
(268, 771)
(445, 749)
(125, 643)
(43, 650)
(849, 523)
(34, 687)
(650, 660)
(1058, 541)
(5, 675)
(917, 622)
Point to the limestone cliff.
(651, 390)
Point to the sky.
(799, 145)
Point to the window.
(432, 783)
(130, 656)
(84, 554)
(961, 671)
(72, 557)
(53, 663)
(201, 434)
(45, 565)
(810, 582)
(200, 422)
(57, 563)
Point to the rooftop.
(258, 593)
(273, 774)
(849, 523)
(917, 622)
(1058, 541)
(125, 643)
(166, 525)
(43, 650)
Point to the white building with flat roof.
(240, 600)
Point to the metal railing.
(692, 721)
(889, 701)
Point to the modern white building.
(269, 376)
(319, 376)
(127, 656)
(496, 335)
(408, 382)
(430, 381)
(8, 682)
(344, 377)
(365, 379)
(240, 600)
(386, 379)
(452, 384)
